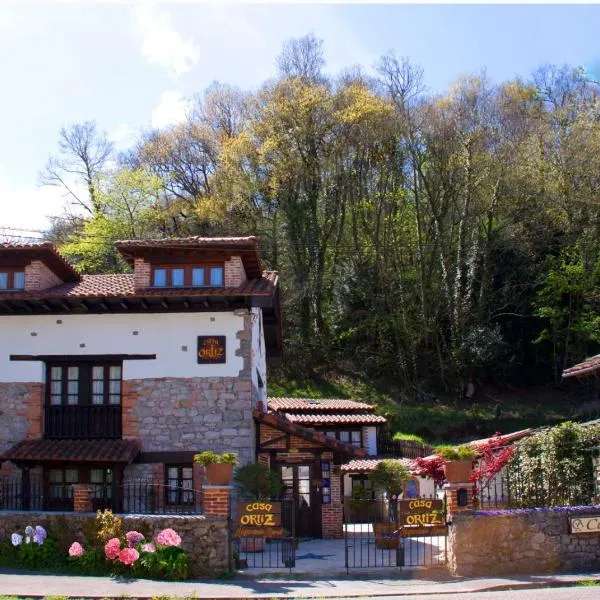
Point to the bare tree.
(302, 57)
(82, 153)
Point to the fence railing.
(95, 421)
(133, 497)
(388, 447)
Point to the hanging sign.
(211, 349)
(422, 517)
(585, 524)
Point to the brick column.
(216, 500)
(82, 498)
(332, 515)
(459, 497)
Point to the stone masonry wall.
(520, 541)
(20, 413)
(205, 540)
(194, 414)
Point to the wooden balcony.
(95, 421)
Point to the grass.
(437, 418)
(400, 436)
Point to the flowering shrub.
(76, 549)
(149, 548)
(133, 538)
(128, 556)
(112, 548)
(29, 549)
(168, 537)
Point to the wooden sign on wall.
(211, 349)
(259, 519)
(585, 524)
(421, 516)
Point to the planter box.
(458, 471)
(219, 473)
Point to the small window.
(177, 277)
(180, 488)
(160, 278)
(19, 280)
(216, 276)
(197, 277)
(3, 281)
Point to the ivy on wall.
(553, 467)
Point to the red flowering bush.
(112, 548)
(128, 556)
(494, 456)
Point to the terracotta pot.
(219, 473)
(387, 535)
(458, 471)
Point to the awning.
(74, 451)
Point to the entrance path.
(34, 585)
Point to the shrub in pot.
(218, 467)
(389, 476)
(458, 462)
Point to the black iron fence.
(133, 497)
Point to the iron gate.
(376, 535)
(264, 534)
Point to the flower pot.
(387, 535)
(458, 471)
(219, 473)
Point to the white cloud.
(171, 109)
(122, 136)
(161, 44)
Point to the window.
(84, 384)
(180, 488)
(188, 276)
(347, 437)
(12, 280)
(61, 482)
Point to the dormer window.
(12, 280)
(188, 276)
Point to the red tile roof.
(587, 367)
(93, 451)
(44, 251)
(121, 286)
(279, 422)
(334, 419)
(366, 465)
(316, 405)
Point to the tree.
(83, 152)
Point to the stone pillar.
(82, 498)
(459, 497)
(217, 499)
(332, 515)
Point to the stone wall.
(520, 541)
(205, 540)
(20, 412)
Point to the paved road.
(564, 593)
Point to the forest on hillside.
(424, 240)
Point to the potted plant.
(389, 476)
(218, 467)
(458, 462)
(256, 481)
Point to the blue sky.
(131, 66)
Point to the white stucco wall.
(259, 362)
(164, 334)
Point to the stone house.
(114, 380)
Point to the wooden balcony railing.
(96, 421)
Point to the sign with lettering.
(259, 514)
(585, 524)
(266, 532)
(425, 531)
(422, 515)
(211, 349)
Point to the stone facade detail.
(520, 541)
(39, 277)
(205, 540)
(21, 406)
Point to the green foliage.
(257, 481)
(389, 475)
(408, 437)
(450, 453)
(208, 457)
(168, 563)
(553, 467)
(108, 526)
(39, 557)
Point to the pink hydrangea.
(148, 548)
(133, 538)
(168, 537)
(76, 549)
(128, 556)
(112, 548)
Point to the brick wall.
(39, 277)
(333, 514)
(141, 273)
(235, 274)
